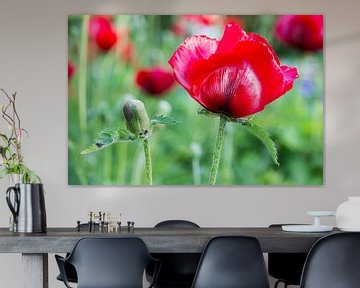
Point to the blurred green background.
(182, 154)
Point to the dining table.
(35, 247)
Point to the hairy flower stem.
(148, 167)
(217, 151)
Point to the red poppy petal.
(265, 67)
(234, 91)
(106, 39)
(97, 24)
(257, 38)
(258, 57)
(314, 32)
(302, 31)
(257, 80)
(193, 49)
(248, 97)
(232, 35)
(290, 74)
(154, 81)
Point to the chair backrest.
(232, 262)
(110, 262)
(333, 262)
(178, 269)
(176, 224)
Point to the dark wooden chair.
(70, 271)
(333, 262)
(178, 269)
(108, 263)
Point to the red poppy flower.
(102, 32)
(302, 31)
(155, 80)
(203, 19)
(71, 69)
(236, 76)
(234, 20)
(178, 28)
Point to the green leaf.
(264, 136)
(109, 136)
(27, 175)
(92, 148)
(4, 137)
(164, 120)
(3, 151)
(26, 132)
(13, 156)
(33, 178)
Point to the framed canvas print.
(195, 100)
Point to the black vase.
(28, 208)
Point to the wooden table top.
(158, 240)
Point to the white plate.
(306, 228)
(350, 229)
(321, 213)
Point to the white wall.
(33, 62)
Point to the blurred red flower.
(302, 31)
(71, 69)
(154, 80)
(233, 19)
(127, 47)
(102, 32)
(236, 76)
(127, 52)
(202, 19)
(178, 28)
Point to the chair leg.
(278, 282)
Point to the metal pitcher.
(28, 207)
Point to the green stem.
(217, 151)
(122, 163)
(227, 171)
(148, 167)
(137, 169)
(83, 73)
(107, 176)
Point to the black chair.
(178, 269)
(333, 262)
(232, 262)
(108, 263)
(286, 267)
(70, 271)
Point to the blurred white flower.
(196, 149)
(164, 107)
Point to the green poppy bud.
(137, 119)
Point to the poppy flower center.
(230, 84)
